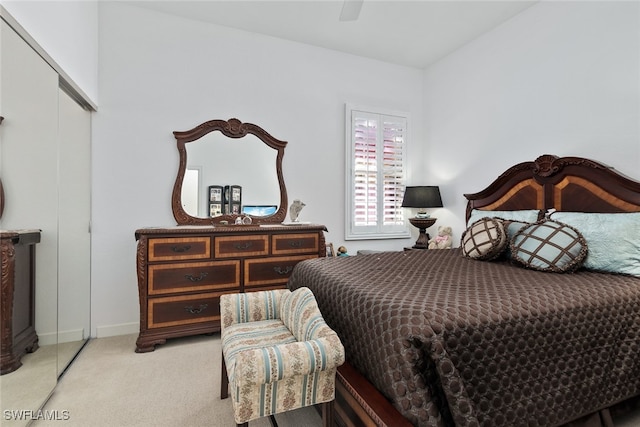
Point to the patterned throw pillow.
(485, 239)
(549, 245)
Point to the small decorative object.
(295, 209)
(330, 251)
(342, 251)
(443, 240)
(238, 221)
(247, 220)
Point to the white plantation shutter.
(376, 168)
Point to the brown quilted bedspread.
(451, 340)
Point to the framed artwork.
(215, 200)
(215, 193)
(236, 194)
(232, 199)
(215, 209)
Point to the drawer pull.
(198, 310)
(282, 271)
(196, 279)
(295, 243)
(243, 246)
(180, 249)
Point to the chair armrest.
(300, 313)
(250, 306)
(270, 364)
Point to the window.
(376, 167)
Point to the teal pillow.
(613, 239)
(527, 215)
(549, 245)
(512, 228)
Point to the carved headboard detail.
(562, 183)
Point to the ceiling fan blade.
(351, 10)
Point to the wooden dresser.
(183, 270)
(17, 314)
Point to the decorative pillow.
(512, 228)
(485, 239)
(549, 245)
(527, 215)
(613, 239)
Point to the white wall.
(68, 32)
(560, 78)
(160, 73)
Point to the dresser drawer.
(270, 271)
(240, 246)
(193, 276)
(183, 310)
(179, 248)
(288, 244)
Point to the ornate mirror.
(229, 169)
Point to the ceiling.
(413, 33)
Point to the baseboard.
(71, 336)
(47, 338)
(115, 330)
(60, 337)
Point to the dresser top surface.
(229, 229)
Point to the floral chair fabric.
(278, 352)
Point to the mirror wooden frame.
(233, 128)
(1, 199)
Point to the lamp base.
(422, 224)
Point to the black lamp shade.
(425, 196)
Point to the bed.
(440, 338)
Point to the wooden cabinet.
(18, 259)
(182, 271)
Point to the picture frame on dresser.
(215, 209)
(330, 251)
(232, 199)
(215, 193)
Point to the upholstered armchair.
(278, 353)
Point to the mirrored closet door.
(45, 174)
(74, 238)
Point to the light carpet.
(176, 385)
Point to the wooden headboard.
(572, 184)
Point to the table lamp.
(422, 197)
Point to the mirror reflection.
(217, 161)
(45, 238)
